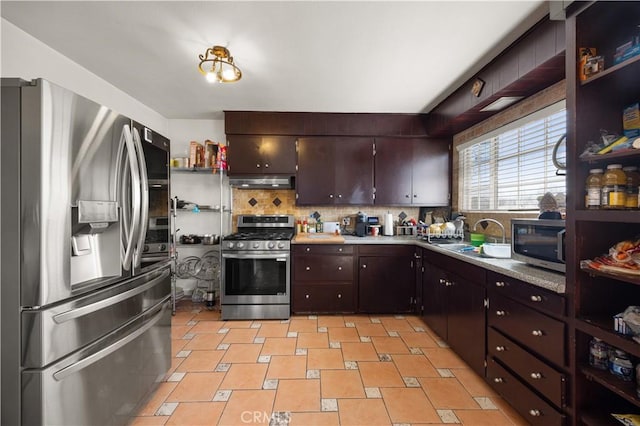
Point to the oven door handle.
(281, 257)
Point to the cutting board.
(322, 238)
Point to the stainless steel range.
(256, 277)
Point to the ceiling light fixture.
(222, 70)
(501, 103)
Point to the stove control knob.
(256, 245)
(240, 245)
(145, 249)
(230, 245)
(163, 247)
(271, 244)
(280, 245)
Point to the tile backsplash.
(283, 201)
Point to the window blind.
(511, 168)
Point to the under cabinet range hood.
(263, 182)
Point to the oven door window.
(246, 276)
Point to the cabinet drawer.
(528, 294)
(534, 330)
(322, 249)
(323, 298)
(535, 410)
(323, 268)
(385, 250)
(539, 375)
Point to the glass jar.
(594, 189)
(620, 365)
(615, 175)
(598, 354)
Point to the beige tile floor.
(317, 370)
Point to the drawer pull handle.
(536, 376)
(498, 380)
(306, 296)
(443, 281)
(500, 348)
(364, 266)
(339, 296)
(537, 333)
(535, 413)
(258, 166)
(308, 248)
(266, 165)
(308, 268)
(500, 313)
(536, 298)
(339, 268)
(449, 284)
(499, 283)
(340, 249)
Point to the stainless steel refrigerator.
(86, 322)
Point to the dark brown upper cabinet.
(261, 155)
(412, 171)
(335, 170)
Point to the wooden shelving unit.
(596, 296)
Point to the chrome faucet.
(497, 223)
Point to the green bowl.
(477, 239)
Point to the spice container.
(594, 189)
(620, 365)
(598, 354)
(614, 189)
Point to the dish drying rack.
(442, 235)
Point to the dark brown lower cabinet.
(386, 279)
(453, 306)
(323, 279)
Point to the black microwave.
(539, 242)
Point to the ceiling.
(312, 56)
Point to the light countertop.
(540, 277)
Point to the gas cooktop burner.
(260, 236)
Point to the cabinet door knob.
(536, 376)
(308, 268)
(415, 195)
(266, 165)
(499, 283)
(537, 333)
(306, 296)
(364, 266)
(257, 166)
(406, 196)
(340, 249)
(308, 248)
(339, 268)
(449, 284)
(330, 195)
(339, 195)
(535, 298)
(500, 313)
(498, 380)
(339, 296)
(500, 348)
(443, 281)
(535, 413)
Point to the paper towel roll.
(388, 224)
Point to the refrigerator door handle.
(135, 197)
(144, 198)
(85, 362)
(85, 310)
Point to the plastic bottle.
(633, 180)
(598, 354)
(305, 226)
(594, 189)
(614, 189)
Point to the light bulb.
(229, 74)
(211, 77)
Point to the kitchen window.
(510, 168)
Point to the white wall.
(26, 57)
